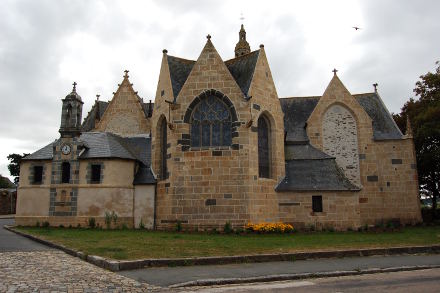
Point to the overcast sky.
(46, 45)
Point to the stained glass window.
(211, 124)
(263, 148)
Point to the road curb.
(301, 276)
(115, 265)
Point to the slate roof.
(304, 152)
(384, 126)
(298, 109)
(296, 112)
(314, 174)
(109, 145)
(144, 175)
(96, 112)
(308, 169)
(242, 69)
(45, 153)
(179, 72)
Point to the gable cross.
(334, 71)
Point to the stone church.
(218, 145)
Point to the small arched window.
(263, 148)
(163, 149)
(211, 123)
(65, 172)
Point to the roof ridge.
(240, 57)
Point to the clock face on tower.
(65, 149)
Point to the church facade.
(218, 145)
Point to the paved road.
(167, 276)
(27, 266)
(425, 281)
(12, 242)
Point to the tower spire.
(242, 46)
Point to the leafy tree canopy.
(14, 165)
(424, 117)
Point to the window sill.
(212, 148)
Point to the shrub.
(228, 228)
(269, 228)
(78, 226)
(91, 222)
(108, 219)
(179, 226)
(60, 226)
(124, 226)
(141, 225)
(45, 224)
(37, 224)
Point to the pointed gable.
(209, 72)
(125, 114)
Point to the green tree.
(14, 165)
(424, 117)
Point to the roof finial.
(74, 86)
(97, 97)
(334, 71)
(208, 36)
(375, 86)
(126, 73)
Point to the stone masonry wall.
(388, 174)
(206, 186)
(339, 133)
(340, 210)
(263, 205)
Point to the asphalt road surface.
(12, 242)
(425, 281)
(166, 276)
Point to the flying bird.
(356, 28)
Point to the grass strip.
(139, 244)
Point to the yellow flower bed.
(269, 228)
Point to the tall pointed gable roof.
(336, 92)
(179, 71)
(212, 68)
(125, 101)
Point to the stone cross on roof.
(74, 86)
(126, 72)
(375, 86)
(334, 71)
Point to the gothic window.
(211, 124)
(163, 149)
(263, 148)
(65, 172)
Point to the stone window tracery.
(211, 123)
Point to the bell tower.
(71, 114)
(242, 46)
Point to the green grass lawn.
(136, 244)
